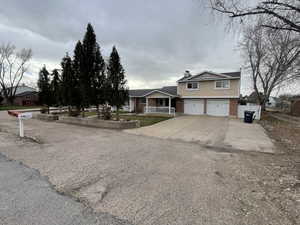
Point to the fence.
(243, 108)
(151, 109)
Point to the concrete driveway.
(219, 132)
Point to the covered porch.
(160, 102)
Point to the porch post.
(169, 105)
(146, 105)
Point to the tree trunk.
(48, 108)
(117, 114)
(69, 110)
(83, 114)
(98, 111)
(10, 100)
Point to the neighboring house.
(295, 106)
(208, 93)
(272, 102)
(25, 96)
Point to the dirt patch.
(280, 173)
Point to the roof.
(169, 90)
(26, 93)
(23, 88)
(209, 75)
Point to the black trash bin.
(249, 116)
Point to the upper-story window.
(192, 85)
(222, 84)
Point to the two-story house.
(208, 93)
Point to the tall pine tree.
(88, 61)
(98, 80)
(89, 67)
(78, 70)
(118, 92)
(45, 95)
(56, 88)
(70, 90)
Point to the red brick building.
(25, 96)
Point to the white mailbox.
(25, 116)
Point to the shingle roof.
(26, 93)
(233, 74)
(172, 90)
(139, 92)
(22, 88)
(208, 75)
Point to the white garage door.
(193, 106)
(218, 107)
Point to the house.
(272, 102)
(25, 96)
(295, 106)
(208, 93)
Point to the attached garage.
(194, 106)
(217, 107)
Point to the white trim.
(153, 92)
(158, 97)
(217, 88)
(210, 96)
(210, 72)
(203, 80)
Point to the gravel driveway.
(145, 180)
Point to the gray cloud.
(157, 40)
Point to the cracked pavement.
(144, 180)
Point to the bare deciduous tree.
(13, 65)
(278, 14)
(272, 57)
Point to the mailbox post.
(21, 117)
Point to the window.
(192, 85)
(222, 84)
(143, 100)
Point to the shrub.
(106, 112)
(74, 113)
(44, 110)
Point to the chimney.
(187, 74)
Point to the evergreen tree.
(118, 92)
(98, 80)
(70, 92)
(79, 77)
(87, 74)
(56, 88)
(45, 95)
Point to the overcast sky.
(157, 40)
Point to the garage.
(218, 107)
(194, 106)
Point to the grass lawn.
(14, 107)
(145, 120)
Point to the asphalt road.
(26, 198)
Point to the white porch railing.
(160, 109)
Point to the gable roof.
(209, 75)
(26, 93)
(21, 89)
(169, 90)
